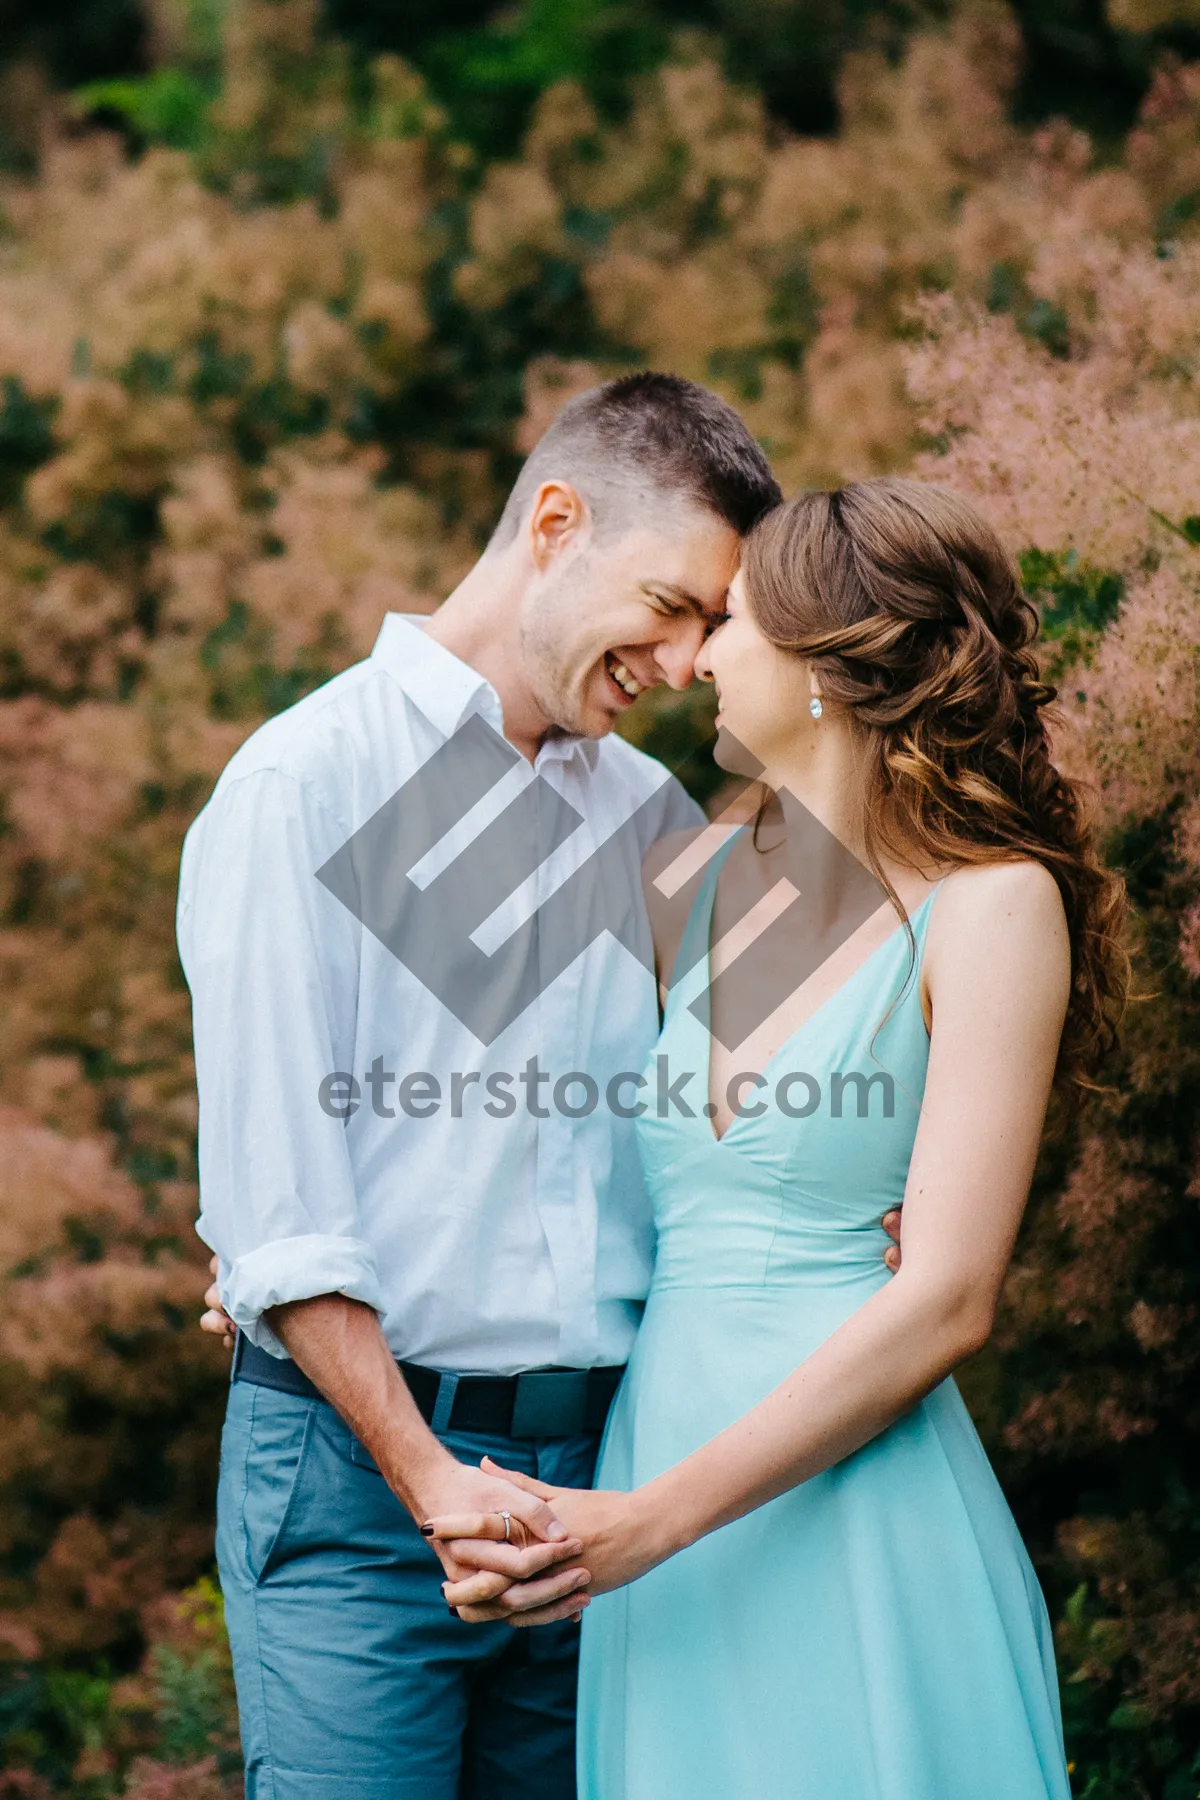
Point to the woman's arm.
(997, 973)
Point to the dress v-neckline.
(705, 964)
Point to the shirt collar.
(566, 745)
(447, 690)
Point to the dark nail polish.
(427, 1531)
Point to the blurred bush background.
(284, 297)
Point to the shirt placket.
(570, 1235)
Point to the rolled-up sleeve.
(271, 959)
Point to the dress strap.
(920, 918)
(918, 924)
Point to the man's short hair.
(640, 439)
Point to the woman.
(831, 1598)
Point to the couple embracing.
(648, 1380)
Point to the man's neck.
(478, 623)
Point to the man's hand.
(891, 1224)
(216, 1320)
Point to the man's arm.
(341, 1348)
(272, 962)
(337, 1344)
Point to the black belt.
(539, 1403)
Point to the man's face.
(617, 617)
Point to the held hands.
(609, 1543)
(604, 1524)
(539, 1562)
(553, 1561)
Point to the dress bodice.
(796, 1187)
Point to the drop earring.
(815, 707)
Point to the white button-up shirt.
(487, 1238)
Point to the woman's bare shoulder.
(1002, 920)
(1019, 887)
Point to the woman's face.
(763, 692)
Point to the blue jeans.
(354, 1680)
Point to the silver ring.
(507, 1517)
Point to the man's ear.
(558, 518)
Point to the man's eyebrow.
(691, 601)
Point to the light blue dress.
(878, 1633)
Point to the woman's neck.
(816, 823)
(825, 784)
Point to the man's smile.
(626, 683)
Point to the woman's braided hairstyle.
(913, 616)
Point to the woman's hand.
(216, 1320)
(618, 1546)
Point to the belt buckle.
(550, 1403)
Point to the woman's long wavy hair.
(913, 616)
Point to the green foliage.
(26, 436)
(247, 680)
(488, 63)
(192, 1683)
(1117, 1746)
(192, 1703)
(50, 1717)
(169, 106)
(1039, 318)
(1076, 603)
(1077, 63)
(490, 77)
(80, 1730)
(205, 522)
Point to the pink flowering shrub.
(252, 398)
(1091, 459)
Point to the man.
(401, 1231)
